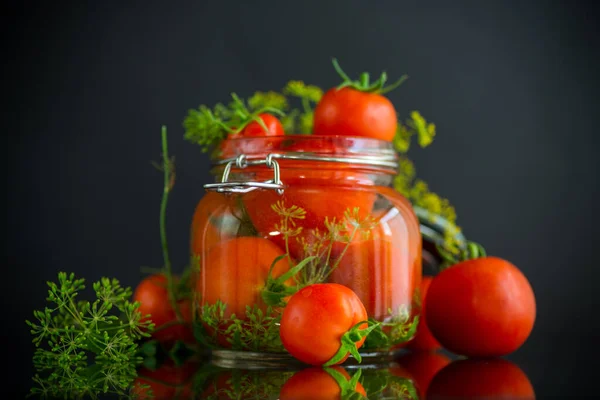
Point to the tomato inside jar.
(289, 211)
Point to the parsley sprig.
(86, 348)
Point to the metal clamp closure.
(242, 162)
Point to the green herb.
(416, 125)
(86, 348)
(383, 384)
(400, 328)
(247, 384)
(208, 127)
(256, 330)
(301, 120)
(471, 251)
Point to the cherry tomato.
(316, 384)
(167, 382)
(484, 307)
(423, 366)
(253, 129)
(481, 379)
(316, 317)
(154, 301)
(424, 340)
(350, 112)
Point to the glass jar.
(280, 200)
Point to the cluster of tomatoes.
(481, 307)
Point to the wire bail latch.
(241, 162)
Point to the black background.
(512, 86)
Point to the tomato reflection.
(169, 381)
(423, 366)
(319, 384)
(479, 378)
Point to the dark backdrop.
(512, 86)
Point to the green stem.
(337, 262)
(306, 105)
(168, 182)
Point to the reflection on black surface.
(414, 375)
(481, 379)
(422, 367)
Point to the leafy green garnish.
(207, 126)
(400, 328)
(87, 348)
(416, 125)
(256, 330)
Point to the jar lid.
(240, 153)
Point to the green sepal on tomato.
(357, 108)
(323, 324)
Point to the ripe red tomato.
(253, 129)
(350, 112)
(313, 191)
(316, 384)
(482, 379)
(316, 317)
(484, 307)
(235, 272)
(424, 340)
(154, 300)
(167, 382)
(212, 222)
(423, 366)
(384, 267)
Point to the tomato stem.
(363, 83)
(348, 342)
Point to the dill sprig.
(208, 126)
(416, 125)
(86, 348)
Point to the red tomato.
(483, 307)
(253, 129)
(424, 340)
(350, 112)
(212, 222)
(423, 366)
(235, 272)
(167, 382)
(384, 268)
(314, 193)
(154, 300)
(316, 317)
(482, 379)
(315, 384)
